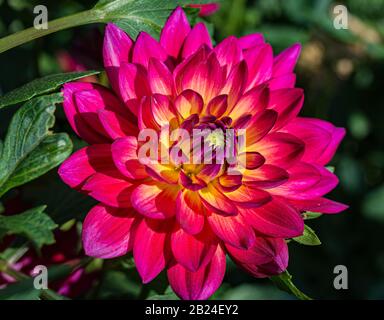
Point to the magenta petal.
(198, 36)
(233, 230)
(155, 201)
(160, 78)
(275, 219)
(110, 190)
(251, 40)
(133, 83)
(321, 205)
(107, 232)
(150, 250)
(260, 62)
(115, 125)
(282, 82)
(174, 32)
(75, 119)
(83, 163)
(193, 251)
(116, 49)
(199, 285)
(306, 181)
(321, 138)
(267, 257)
(124, 153)
(189, 211)
(145, 48)
(287, 103)
(280, 149)
(285, 62)
(228, 52)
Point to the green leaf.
(309, 237)
(284, 282)
(41, 86)
(30, 149)
(309, 215)
(139, 15)
(131, 15)
(34, 224)
(21, 290)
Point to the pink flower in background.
(64, 251)
(186, 217)
(206, 9)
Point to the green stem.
(77, 19)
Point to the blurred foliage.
(342, 72)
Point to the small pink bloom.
(186, 217)
(206, 9)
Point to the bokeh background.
(342, 72)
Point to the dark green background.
(342, 72)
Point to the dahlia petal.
(259, 126)
(218, 105)
(159, 77)
(251, 40)
(150, 250)
(233, 230)
(193, 251)
(75, 170)
(282, 82)
(285, 62)
(229, 182)
(155, 201)
(260, 64)
(124, 154)
(116, 49)
(78, 124)
(321, 138)
(253, 102)
(199, 285)
(228, 52)
(115, 125)
(107, 232)
(248, 197)
(197, 37)
(254, 160)
(267, 257)
(279, 149)
(110, 190)
(204, 76)
(174, 32)
(206, 9)
(306, 181)
(133, 83)
(275, 219)
(287, 103)
(190, 211)
(146, 48)
(189, 102)
(267, 176)
(162, 110)
(235, 83)
(319, 205)
(215, 200)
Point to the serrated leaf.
(284, 282)
(309, 237)
(41, 86)
(140, 15)
(30, 149)
(33, 224)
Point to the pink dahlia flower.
(182, 216)
(206, 9)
